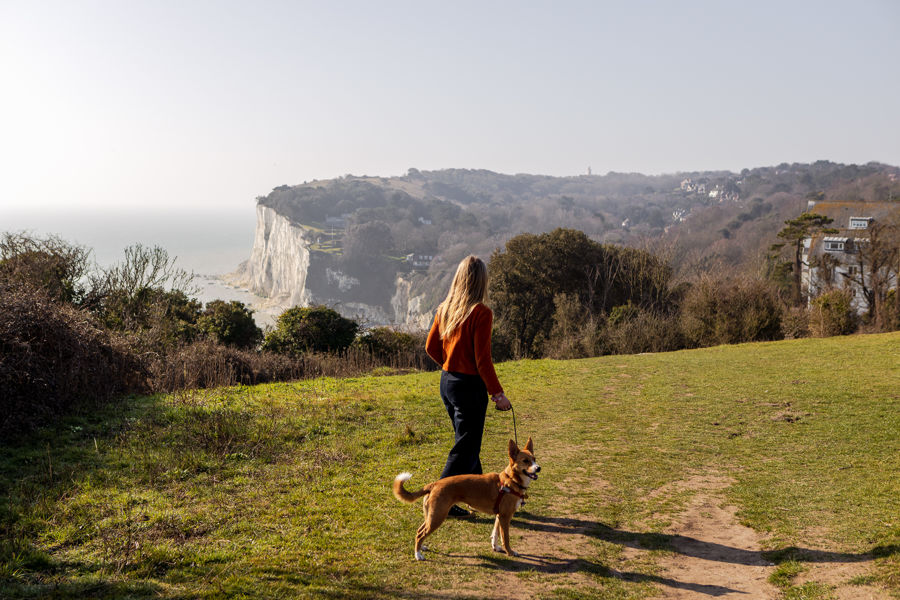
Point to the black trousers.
(465, 397)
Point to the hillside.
(359, 234)
(727, 470)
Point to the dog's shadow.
(539, 563)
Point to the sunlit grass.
(283, 489)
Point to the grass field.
(283, 490)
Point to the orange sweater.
(468, 350)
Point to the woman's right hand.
(501, 401)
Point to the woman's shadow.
(689, 546)
(683, 545)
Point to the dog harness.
(506, 490)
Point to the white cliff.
(279, 261)
(278, 270)
(410, 310)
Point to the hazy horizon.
(210, 104)
(204, 241)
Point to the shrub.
(54, 357)
(642, 331)
(206, 364)
(148, 298)
(50, 265)
(314, 329)
(386, 344)
(628, 330)
(795, 323)
(832, 313)
(230, 323)
(730, 311)
(155, 320)
(623, 313)
(503, 347)
(575, 333)
(533, 269)
(891, 311)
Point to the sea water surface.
(207, 242)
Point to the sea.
(207, 242)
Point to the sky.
(204, 105)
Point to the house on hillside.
(337, 222)
(838, 259)
(420, 261)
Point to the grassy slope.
(283, 490)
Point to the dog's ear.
(529, 446)
(513, 450)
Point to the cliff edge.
(290, 265)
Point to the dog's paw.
(512, 553)
(496, 548)
(420, 556)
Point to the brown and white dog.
(492, 493)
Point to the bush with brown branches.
(53, 357)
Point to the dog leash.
(515, 431)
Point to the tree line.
(561, 294)
(71, 332)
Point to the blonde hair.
(468, 289)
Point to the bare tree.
(145, 267)
(878, 268)
(126, 292)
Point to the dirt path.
(713, 556)
(713, 550)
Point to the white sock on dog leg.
(420, 556)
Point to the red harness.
(506, 490)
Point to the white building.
(833, 260)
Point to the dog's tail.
(403, 495)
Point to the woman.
(460, 341)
